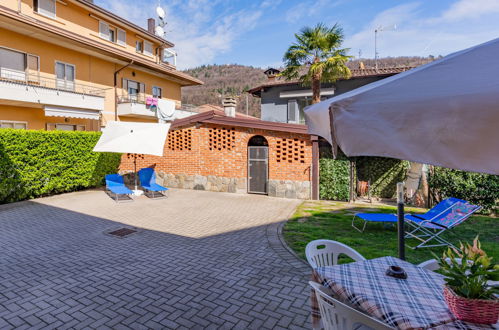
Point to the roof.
(356, 73)
(123, 21)
(219, 117)
(56, 32)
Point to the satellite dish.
(159, 31)
(161, 12)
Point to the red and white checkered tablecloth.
(414, 303)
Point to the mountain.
(235, 79)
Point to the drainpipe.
(116, 92)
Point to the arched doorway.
(258, 165)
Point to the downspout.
(116, 92)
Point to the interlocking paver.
(199, 260)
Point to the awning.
(134, 138)
(444, 113)
(51, 111)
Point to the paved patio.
(199, 260)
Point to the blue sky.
(258, 32)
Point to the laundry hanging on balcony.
(165, 110)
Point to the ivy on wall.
(334, 179)
(382, 173)
(477, 188)
(38, 163)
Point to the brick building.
(229, 152)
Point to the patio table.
(414, 303)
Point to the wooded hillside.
(234, 79)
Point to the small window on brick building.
(290, 151)
(221, 138)
(180, 140)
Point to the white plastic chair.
(328, 255)
(336, 315)
(432, 264)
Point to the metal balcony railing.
(137, 98)
(37, 79)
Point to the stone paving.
(199, 260)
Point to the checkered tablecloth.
(414, 303)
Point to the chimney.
(361, 65)
(271, 73)
(151, 24)
(229, 104)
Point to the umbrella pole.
(135, 169)
(400, 216)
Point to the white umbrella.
(444, 113)
(133, 138)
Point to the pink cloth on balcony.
(151, 101)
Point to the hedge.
(477, 188)
(383, 173)
(39, 163)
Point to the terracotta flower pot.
(472, 310)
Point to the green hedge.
(38, 163)
(477, 188)
(334, 179)
(383, 173)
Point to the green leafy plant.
(40, 163)
(467, 271)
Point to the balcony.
(43, 90)
(135, 106)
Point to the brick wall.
(221, 151)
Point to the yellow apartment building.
(71, 65)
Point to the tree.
(316, 57)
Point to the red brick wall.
(222, 151)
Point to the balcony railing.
(137, 98)
(37, 79)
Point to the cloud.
(465, 9)
(308, 9)
(420, 34)
(200, 29)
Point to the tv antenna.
(379, 29)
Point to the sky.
(258, 32)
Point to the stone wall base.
(277, 188)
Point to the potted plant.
(467, 293)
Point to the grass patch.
(333, 220)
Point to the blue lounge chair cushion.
(115, 183)
(377, 217)
(148, 180)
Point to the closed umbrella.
(444, 113)
(133, 138)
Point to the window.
(139, 46)
(121, 37)
(65, 127)
(107, 32)
(147, 48)
(292, 111)
(65, 75)
(13, 124)
(135, 90)
(45, 7)
(157, 92)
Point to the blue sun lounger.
(115, 185)
(148, 182)
(392, 218)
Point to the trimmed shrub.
(334, 179)
(477, 188)
(39, 163)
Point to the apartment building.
(72, 65)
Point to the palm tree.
(316, 57)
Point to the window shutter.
(50, 126)
(292, 111)
(121, 37)
(103, 30)
(124, 84)
(33, 62)
(147, 48)
(80, 127)
(46, 7)
(142, 87)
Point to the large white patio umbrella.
(444, 113)
(133, 138)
